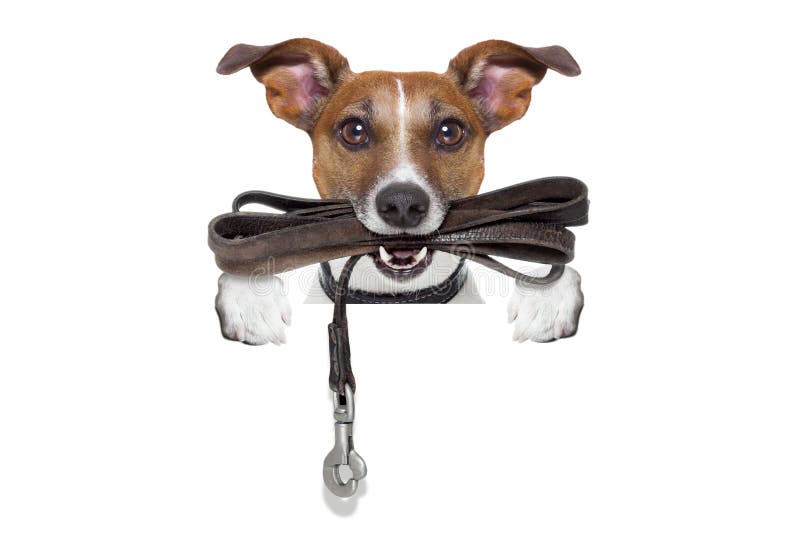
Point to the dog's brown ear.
(498, 76)
(299, 74)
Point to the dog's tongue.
(402, 253)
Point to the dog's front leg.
(253, 310)
(546, 312)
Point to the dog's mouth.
(402, 263)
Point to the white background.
(674, 409)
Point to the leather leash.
(526, 221)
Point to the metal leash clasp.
(343, 452)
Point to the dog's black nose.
(402, 205)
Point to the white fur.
(547, 312)
(402, 141)
(253, 310)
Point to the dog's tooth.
(385, 256)
(420, 255)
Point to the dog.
(400, 147)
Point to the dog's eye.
(450, 133)
(354, 132)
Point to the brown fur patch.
(430, 98)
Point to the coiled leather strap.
(526, 221)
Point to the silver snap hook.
(343, 452)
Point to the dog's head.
(399, 146)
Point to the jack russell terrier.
(399, 146)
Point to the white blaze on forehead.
(402, 137)
(404, 170)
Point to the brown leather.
(525, 221)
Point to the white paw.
(254, 311)
(547, 312)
